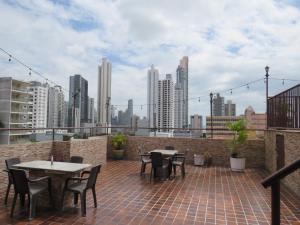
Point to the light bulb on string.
(199, 99)
(29, 72)
(231, 91)
(9, 60)
(248, 86)
(282, 81)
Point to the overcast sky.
(228, 43)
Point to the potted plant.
(118, 142)
(240, 136)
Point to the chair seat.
(35, 188)
(146, 160)
(77, 187)
(177, 163)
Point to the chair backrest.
(93, 176)
(76, 159)
(10, 162)
(169, 147)
(156, 159)
(20, 181)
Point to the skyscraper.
(165, 103)
(230, 109)
(39, 108)
(78, 99)
(218, 106)
(182, 81)
(104, 93)
(130, 109)
(152, 92)
(178, 106)
(56, 107)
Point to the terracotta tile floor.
(206, 196)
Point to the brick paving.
(205, 196)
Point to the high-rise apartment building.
(15, 110)
(152, 92)
(78, 99)
(104, 93)
(165, 103)
(91, 112)
(218, 107)
(125, 118)
(40, 105)
(182, 81)
(56, 107)
(230, 108)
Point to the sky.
(228, 43)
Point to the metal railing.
(274, 181)
(284, 109)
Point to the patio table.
(58, 172)
(166, 153)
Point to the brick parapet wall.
(292, 152)
(218, 148)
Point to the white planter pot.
(198, 160)
(237, 164)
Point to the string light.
(282, 81)
(9, 60)
(231, 91)
(199, 99)
(29, 71)
(248, 86)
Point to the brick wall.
(292, 152)
(218, 148)
(93, 150)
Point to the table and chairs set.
(34, 178)
(162, 161)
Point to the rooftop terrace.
(212, 195)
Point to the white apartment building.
(91, 111)
(56, 107)
(15, 110)
(104, 93)
(39, 107)
(165, 103)
(152, 96)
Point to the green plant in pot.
(240, 136)
(118, 142)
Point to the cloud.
(228, 43)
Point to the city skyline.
(221, 55)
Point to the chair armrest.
(85, 172)
(74, 178)
(39, 179)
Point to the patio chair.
(179, 160)
(9, 163)
(31, 187)
(145, 159)
(159, 163)
(76, 159)
(169, 147)
(80, 187)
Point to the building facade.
(39, 99)
(178, 106)
(182, 78)
(196, 123)
(104, 93)
(91, 111)
(165, 103)
(230, 108)
(15, 110)
(152, 96)
(78, 99)
(56, 107)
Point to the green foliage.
(76, 136)
(119, 141)
(1, 124)
(239, 138)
